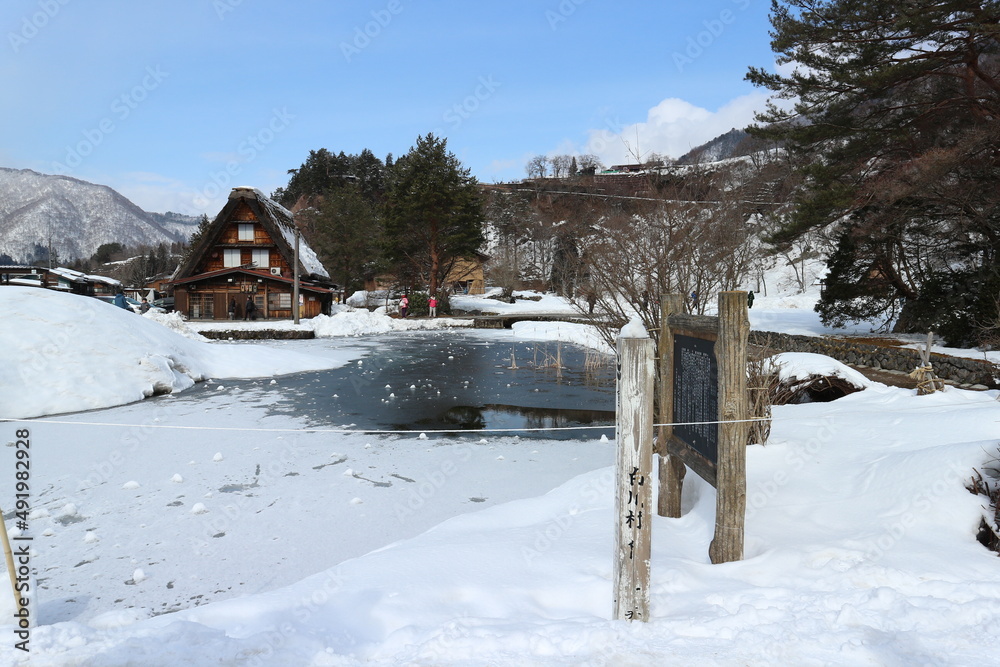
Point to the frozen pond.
(219, 491)
(454, 380)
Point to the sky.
(174, 102)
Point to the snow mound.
(175, 322)
(801, 365)
(65, 353)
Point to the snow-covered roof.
(274, 217)
(286, 225)
(69, 274)
(103, 280)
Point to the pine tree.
(895, 131)
(345, 232)
(433, 212)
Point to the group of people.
(122, 302)
(404, 306)
(249, 311)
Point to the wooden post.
(671, 468)
(633, 480)
(295, 280)
(731, 483)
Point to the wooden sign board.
(696, 397)
(703, 363)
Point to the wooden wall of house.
(468, 272)
(221, 292)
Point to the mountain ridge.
(78, 217)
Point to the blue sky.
(172, 102)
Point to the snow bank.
(343, 321)
(361, 322)
(801, 365)
(566, 332)
(538, 303)
(63, 353)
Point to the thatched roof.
(276, 220)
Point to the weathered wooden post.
(731, 472)
(633, 470)
(671, 468)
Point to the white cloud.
(672, 128)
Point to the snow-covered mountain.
(77, 216)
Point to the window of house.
(245, 231)
(201, 306)
(261, 257)
(279, 301)
(230, 257)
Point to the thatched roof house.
(247, 254)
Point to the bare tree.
(678, 244)
(560, 165)
(537, 167)
(510, 221)
(589, 164)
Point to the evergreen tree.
(433, 211)
(345, 232)
(323, 171)
(193, 241)
(895, 132)
(106, 252)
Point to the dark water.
(428, 381)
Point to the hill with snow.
(77, 216)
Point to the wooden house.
(59, 278)
(466, 276)
(247, 253)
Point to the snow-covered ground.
(208, 532)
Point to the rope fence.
(347, 431)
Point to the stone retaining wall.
(258, 334)
(959, 370)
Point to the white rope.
(342, 431)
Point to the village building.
(247, 254)
(59, 278)
(466, 276)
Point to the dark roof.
(275, 219)
(256, 273)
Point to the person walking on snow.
(432, 307)
(404, 305)
(750, 299)
(251, 310)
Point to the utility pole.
(295, 280)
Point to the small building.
(59, 278)
(247, 254)
(466, 276)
